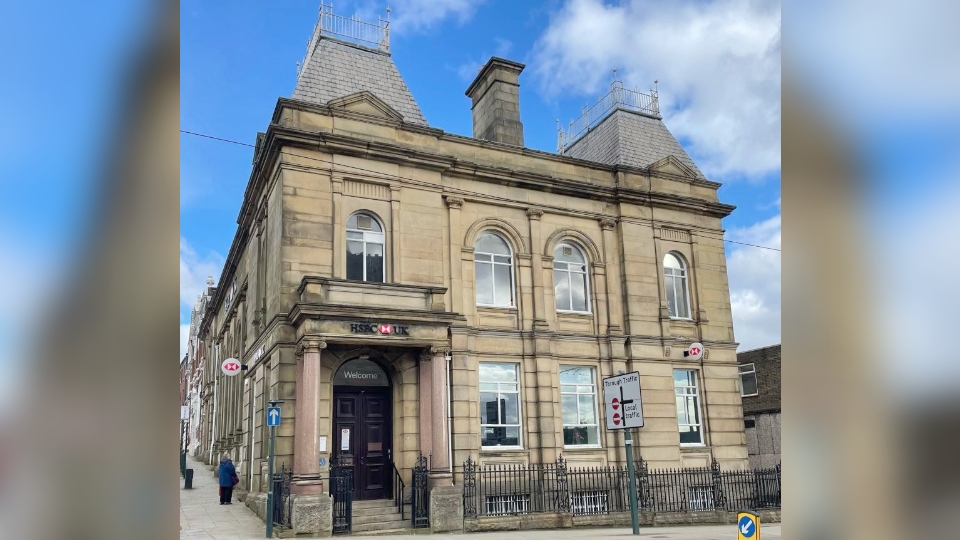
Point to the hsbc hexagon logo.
(230, 366)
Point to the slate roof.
(336, 69)
(628, 138)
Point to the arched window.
(675, 281)
(494, 271)
(364, 248)
(570, 282)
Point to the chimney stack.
(496, 102)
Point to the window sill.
(682, 319)
(693, 446)
(581, 314)
(486, 307)
(583, 447)
(504, 449)
(749, 395)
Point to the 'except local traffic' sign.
(273, 416)
(621, 398)
(230, 366)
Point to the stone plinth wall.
(446, 509)
(615, 519)
(312, 515)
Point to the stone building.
(405, 290)
(760, 390)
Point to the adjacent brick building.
(760, 390)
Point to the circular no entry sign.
(615, 403)
(616, 418)
(230, 366)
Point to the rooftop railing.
(373, 35)
(617, 97)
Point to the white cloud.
(754, 276)
(718, 64)
(194, 269)
(184, 336)
(415, 15)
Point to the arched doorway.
(362, 422)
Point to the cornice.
(303, 310)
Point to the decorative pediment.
(367, 103)
(672, 165)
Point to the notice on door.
(345, 439)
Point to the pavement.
(203, 518)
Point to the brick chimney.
(496, 102)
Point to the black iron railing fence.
(282, 503)
(420, 500)
(341, 489)
(493, 490)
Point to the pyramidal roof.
(335, 69)
(625, 128)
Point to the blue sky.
(717, 66)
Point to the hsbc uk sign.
(380, 329)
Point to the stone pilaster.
(394, 247)
(456, 274)
(614, 294)
(307, 435)
(536, 250)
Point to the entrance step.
(378, 517)
(379, 503)
(388, 532)
(362, 517)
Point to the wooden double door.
(362, 422)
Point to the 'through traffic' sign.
(621, 399)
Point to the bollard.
(188, 479)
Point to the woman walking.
(227, 474)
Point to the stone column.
(536, 249)
(614, 293)
(456, 274)
(306, 438)
(426, 403)
(439, 430)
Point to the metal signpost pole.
(624, 411)
(273, 437)
(634, 516)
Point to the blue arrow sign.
(273, 416)
(746, 527)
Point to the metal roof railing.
(374, 35)
(617, 98)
